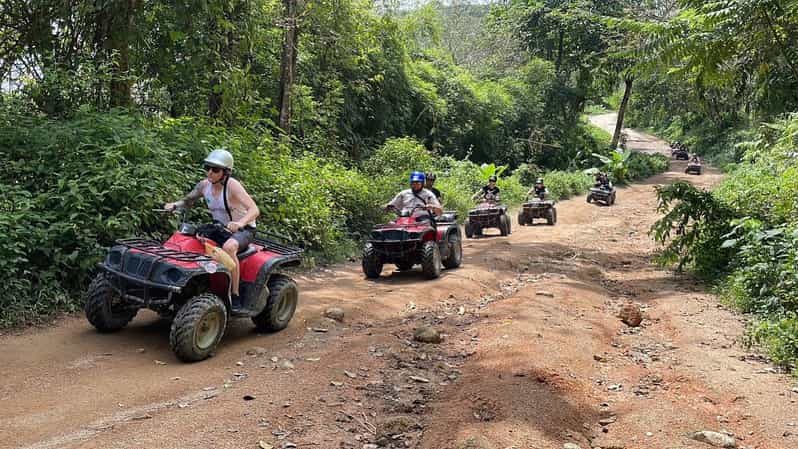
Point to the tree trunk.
(214, 97)
(115, 21)
(627, 91)
(288, 65)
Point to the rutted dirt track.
(534, 357)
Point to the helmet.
(431, 176)
(492, 178)
(539, 181)
(417, 176)
(220, 158)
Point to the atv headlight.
(172, 276)
(114, 259)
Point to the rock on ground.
(714, 438)
(426, 334)
(335, 313)
(630, 314)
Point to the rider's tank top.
(218, 211)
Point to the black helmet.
(431, 176)
(492, 178)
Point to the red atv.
(179, 281)
(413, 240)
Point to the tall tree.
(113, 32)
(288, 63)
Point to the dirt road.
(533, 357)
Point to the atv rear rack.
(156, 249)
(277, 248)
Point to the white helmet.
(220, 158)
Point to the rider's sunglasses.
(212, 168)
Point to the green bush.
(643, 165)
(71, 188)
(563, 185)
(779, 337)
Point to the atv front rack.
(156, 249)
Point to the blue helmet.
(417, 176)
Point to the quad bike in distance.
(180, 281)
(604, 193)
(537, 207)
(693, 167)
(488, 214)
(412, 240)
(679, 152)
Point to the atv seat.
(246, 252)
(448, 217)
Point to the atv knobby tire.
(104, 308)
(455, 251)
(521, 221)
(551, 216)
(469, 229)
(280, 308)
(198, 327)
(504, 225)
(372, 265)
(589, 197)
(612, 199)
(431, 260)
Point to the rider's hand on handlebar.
(170, 206)
(234, 226)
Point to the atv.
(179, 281)
(537, 208)
(488, 214)
(693, 167)
(603, 193)
(680, 153)
(414, 240)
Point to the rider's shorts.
(243, 236)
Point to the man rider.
(229, 204)
(539, 189)
(603, 181)
(428, 184)
(489, 192)
(694, 159)
(416, 196)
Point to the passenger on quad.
(489, 193)
(420, 200)
(539, 190)
(603, 181)
(429, 183)
(229, 205)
